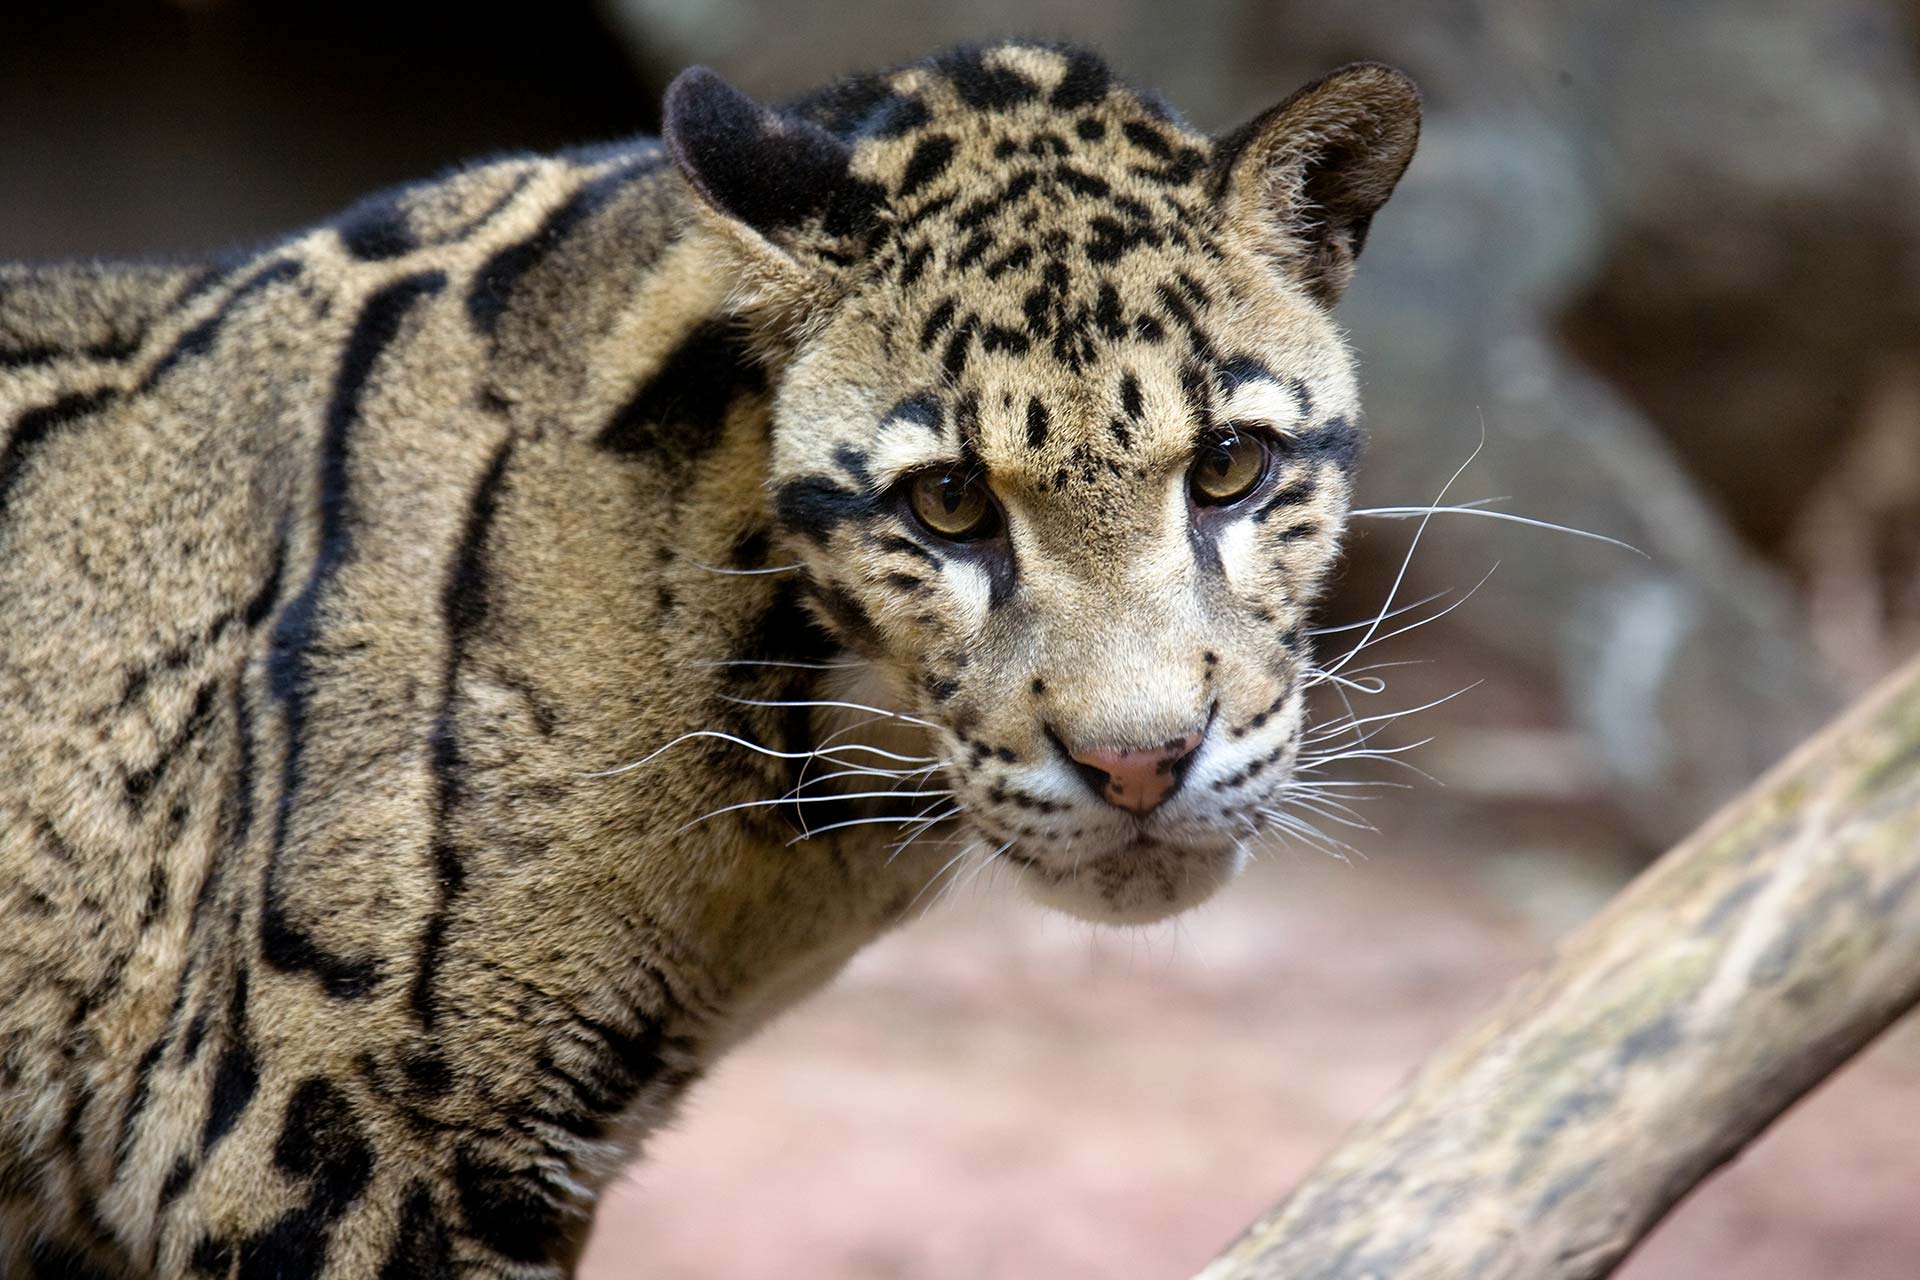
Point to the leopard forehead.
(1047, 293)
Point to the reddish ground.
(998, 1093)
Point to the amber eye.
(1226, 468)
(953, 503)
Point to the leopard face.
(1063, 433)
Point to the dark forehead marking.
(985, 207)
(922, 409)
(1130, 400)
(930, 158)
(958, 347)
(1238, 370)
(966, 421)
(937, 322)
(1181, 314)
(982, 87)
(1148, 139)
(1084, 84)
(1038, 423)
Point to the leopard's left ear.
(779, 188)
(1302, 181)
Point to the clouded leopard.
(464, 665)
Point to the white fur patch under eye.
(972, 592)
(1235, 543)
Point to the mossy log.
(1734, 975)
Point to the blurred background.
(1663, 258)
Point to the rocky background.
(1658, 263)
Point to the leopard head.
(1062, 428)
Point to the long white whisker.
(1468, 509)
(848, 822)
(1406, 561)
(1367, 622)
(830, 702)
(754, 746)
(767, 662)
(1370, 639)
(764, 804)
(744, 573)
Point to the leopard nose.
(1137, 779)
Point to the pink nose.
(1137, 779)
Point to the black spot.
(1148, 139)
(915, 264)
(1082, 183)
(905, 582)
(937, 322)
(212, 1257)
(921, 409)
(1039, 685)
(982, 87)
(1110, 239)
(1037, 424)
(1107, 314)
(1013, 260)
(1090, 129)
(236, 1076)
(679, 413)
(985, 207)
(1176, 308)
(422, 1247)
(1084, 84)
(506, 1209)
(966, 420)
(1147, 329)
(997, 337)
(930, 158)
(972, 251)
(954, 362)
(939, 688)
(749, 550)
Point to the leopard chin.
(1141, 882)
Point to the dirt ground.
(998, 1094)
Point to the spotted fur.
(335, 577)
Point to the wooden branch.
(1731, 977)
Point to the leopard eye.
(954, 504)
(1226, 468)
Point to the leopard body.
(416, 634)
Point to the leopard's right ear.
(1300, 184)
(780, 189)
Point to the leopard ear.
(779, 187)
(1302, 181)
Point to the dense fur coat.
(422, 639)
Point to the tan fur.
(341, 584)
